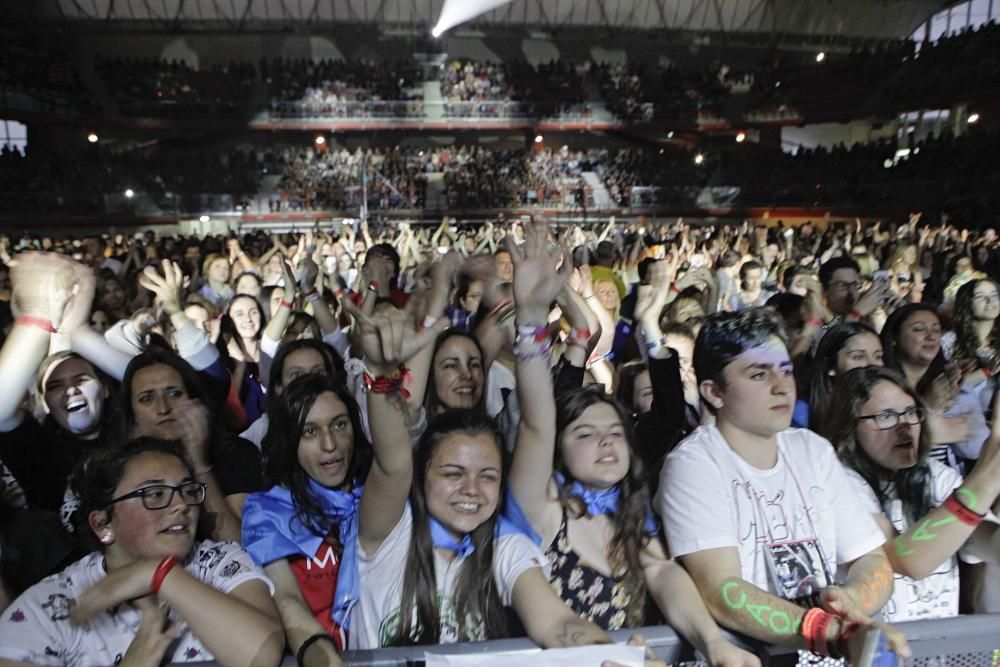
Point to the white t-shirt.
(705, 502)
(936, 595)
(374, 618)
(36, 628)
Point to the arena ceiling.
(847, 18)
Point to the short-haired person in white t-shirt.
(929, 513)
(763, 516)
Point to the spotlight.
(820, 57)
(203, 218)
(699, 158)
(320, 140)
(92, 138)
(538, 139)
(741, 137)
(130, 193)
(973, 118)
(670, 135)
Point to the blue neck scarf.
(444, 540)
(464, 547)
(272, 530)
(600, 502)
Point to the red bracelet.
(580, 333)
(808, 624)
(389, 384)
(500, 306)
(856, 313)
(815, 321)
(819, 634)
(961, 512)
(40, 322)
(161, 572)
(675, 289)
(285, 304)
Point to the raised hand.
(168, 288)
(653, 297)
(77, 310)
(42, 284)
(391, 337)
(308, 270)
(537, 281)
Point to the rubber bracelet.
(285, 304)
(318, 637)
(428, 322)
(312, 297)
(856, 313)
(39, 322)
(819, 634)
(373, 285)
(675, 289)
(815, 321)
(500, 306)
(536, 332)
(809, 626)
(961, 512)
(161, 572)
(580, 333)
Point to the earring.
(106, 538)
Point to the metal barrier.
(966, 641)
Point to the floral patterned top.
(600, 599)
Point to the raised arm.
(537, 282)
(42, 284)
(275, 328)
(388, 340)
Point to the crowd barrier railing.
(965, 641)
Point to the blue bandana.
(600, 502)
(464, 547)
(272, 530)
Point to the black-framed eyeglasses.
(890, 418)
(158, 496)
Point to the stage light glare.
(820, 57)
(320, 140)
(699, 158)
(539, 139)
(973, 118)
(203, 218)
(130, 193)
(670, 135)
(741, 137)
(92, 138)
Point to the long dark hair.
(332, 362)
(890, 344)
(823, 369)
(966, 338)
(432, 402)
(913, 485)
(630, 537)
(125, 417)
(625, 386)
(287, 414)
(228, 331)
(476, 594)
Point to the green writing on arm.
(778, 622)
(970, 499)
(921, 534)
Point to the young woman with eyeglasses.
(930, 515)
(150, 592)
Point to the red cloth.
(396, 297)
(317, 577)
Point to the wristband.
(856, 313)
(373, 285)
(312, 297)
(285, 304)
(428, 322)
(537, 333)
(580, 333)
(675, 289)
(820, 645)
(500, 306)
(961, 512)
(394, 383)
(161, 572)
(654, 346)
(815, 321)
(318, 637)
(39, 322)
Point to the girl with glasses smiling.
(150, 592)
(928, 512)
